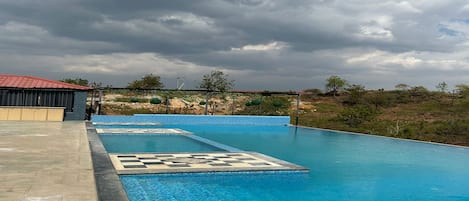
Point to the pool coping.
(108, 184)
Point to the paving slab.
(45, 161)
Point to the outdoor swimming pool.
(342, 167)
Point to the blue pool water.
(141, 143)
(343, 167)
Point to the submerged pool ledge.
(167, 119)
(162, 163)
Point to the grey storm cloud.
(262, 44)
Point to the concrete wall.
(79, 107)
(21, 113)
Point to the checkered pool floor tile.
(197, 162)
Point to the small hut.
(34, 98)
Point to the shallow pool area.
(343, 166)
(163, 143)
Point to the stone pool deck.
(45, 161)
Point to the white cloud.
(376, 27)
(365, 57)
(31, 38)
(262, 47)
(382, 58)
(189, 19)
(407, 60)
(169, 25)
(16, 32)
(465, 8)
(375, 32)
(139, 63)
(407, 6)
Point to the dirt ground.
(217, 105)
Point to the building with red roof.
(30, 91)
(31, 82)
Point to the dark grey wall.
(37, 97)
(79, 107)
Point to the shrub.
(134, 100)
(453, 127)
(354, 116)
(380, 99)
(277, 104)
(155, 101)
(356, 93)
(256, 102)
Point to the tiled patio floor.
(47, 161)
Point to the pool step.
(198, 162)
(140, 130)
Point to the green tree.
(216, 81)
(419, 93)
(402, 93)
(77, 81)
(334, 84)
(462, 89)
(379, 98)
(356, 93)
(402, 86)
(356, 115)
(148, 81)
(442, 87)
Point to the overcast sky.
(261, 44)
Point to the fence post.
(167, 104)
(297, 108)
(232, 104)
(91, 104)
(100, 101)
(206, 103)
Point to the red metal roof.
(30, 82)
